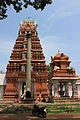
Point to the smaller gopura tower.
(62, 77)
(17, 66)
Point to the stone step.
(65, 99)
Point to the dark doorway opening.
(28, 94)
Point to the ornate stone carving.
(20, 58)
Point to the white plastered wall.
(1, 92)
(78, 91)
(2, 84)
(70, 90)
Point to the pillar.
(74, 88)
(66, 89)
(28, 67)
(58, 90)
(50, 88)
(55, 88)
(76, 91)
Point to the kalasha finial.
(35, 23)
(26, 22)
(21, 23)
(30, 22)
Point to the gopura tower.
(16, 68)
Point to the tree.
(19, 4)
(48, 68)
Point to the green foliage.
(51, 109)
(48, 68)
(19, 4)
(16, 109)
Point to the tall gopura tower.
(17, 66)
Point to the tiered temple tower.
(62, 77)
(16, 68)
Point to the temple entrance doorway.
(23, 89)
(61, 89)
(64, 88)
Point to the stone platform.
(27, 101)
(65, 99)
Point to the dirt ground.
(30, 117)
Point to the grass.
(67, 119)
(63, 108)
(15, 110)
(51, 109)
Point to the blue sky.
(58, 29)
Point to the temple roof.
(28, 25)
(60, 56)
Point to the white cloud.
(65, 8)
(51, 45)
(59, 14)
(6, 46)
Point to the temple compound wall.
(2, 84)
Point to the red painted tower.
(16, 68)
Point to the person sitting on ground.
(36, 104)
